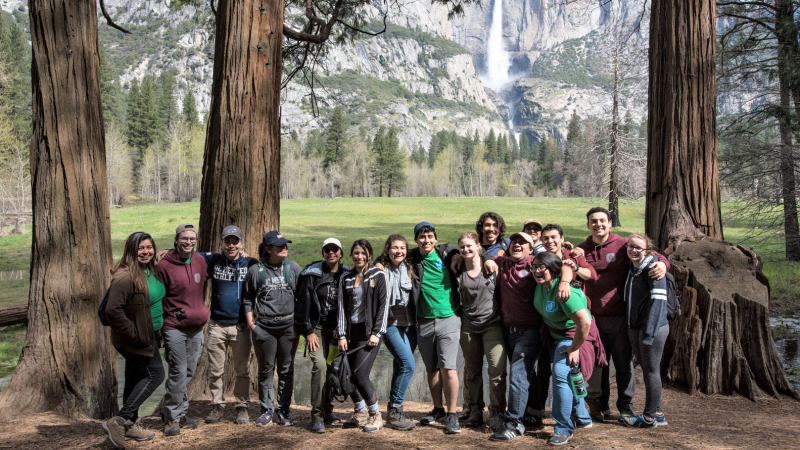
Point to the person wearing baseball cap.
(269, 307)
(534, 228)
(316, 312)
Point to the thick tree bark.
(241, 169)
(14, 314)
(67, 364)
(683, 194)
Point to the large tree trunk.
(722, 342)
(683, 196)
(67, 364)
(241, 169)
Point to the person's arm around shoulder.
(119, 293)
(658, 269)
(249, 293)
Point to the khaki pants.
(220, 337)
(321, 396)
(477, 341)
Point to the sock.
(451, 414)
(373, 409)
(361, 405)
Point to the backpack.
(101, 310)
(340, 374)
(673, 298)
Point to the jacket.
(610, 261)
(646, 300)
(269, 296)
(128, 315)
(446, 253)
(185, 285)
(376, 301)
(592, 354)
(227, 280)
(308, 308)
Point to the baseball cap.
(333, 241)
(525, 236)
(534, 222)
(185, 227)
(275, 239)
(422, 225)
(232, 230)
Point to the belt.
(517, 329)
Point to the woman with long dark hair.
(135, 316)
(362, 323)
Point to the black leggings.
(143, 374)
(362, 359)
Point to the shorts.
(438, 342)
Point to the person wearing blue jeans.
(568, 410)
(401, 330)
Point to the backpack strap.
(287, 272)
(503, 245)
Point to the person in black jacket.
(316, 315)
(363, 312)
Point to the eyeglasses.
(636, 249)
(539, 267)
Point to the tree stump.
(722, 341)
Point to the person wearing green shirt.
(569, 322)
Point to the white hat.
(333, 241)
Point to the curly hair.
(501, 225)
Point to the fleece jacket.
(185, 283)
(227, 286)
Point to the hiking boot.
(497, 422)
(509, 432)
(531, 422)
(357, 420)
(639, 421)
(661, 420)
(330, 418)
(475, 418)
(432, 417)
(172, 429)
(190, 423)
(595, 412)
(115, 429)
(398, 421)
(265, 419)
(451, 424)
(465, 414)
(374, 423)
(318, 427)
(136, 433)
(283, 418)
(559, 439)
(242, 417)
(216, 414)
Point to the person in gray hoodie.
(268, 301)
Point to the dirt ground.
(700, 421)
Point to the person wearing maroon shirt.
(605, 252)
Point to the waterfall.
(497, 60)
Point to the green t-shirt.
(157, 293)
(557, 314)
(435, 301)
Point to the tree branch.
(213, 9)
(109, 21)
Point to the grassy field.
(309, 221)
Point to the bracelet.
(564, 281)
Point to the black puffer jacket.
(309, 308)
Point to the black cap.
(275, 239)
(232, 230)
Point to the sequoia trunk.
(67, 364)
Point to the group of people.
(535, 307)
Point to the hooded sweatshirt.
(610, 261)
(185, 284)
(646, 300)
(271, 301)
(516, 286)
(227, 285)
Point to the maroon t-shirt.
(517, 285)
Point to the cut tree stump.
(14, 314)
(722, 341)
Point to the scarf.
(399, 284)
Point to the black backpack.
(673, 298)
(340, 374)
(101, 310)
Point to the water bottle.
(576, 382)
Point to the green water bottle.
(576, 382)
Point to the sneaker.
(135, 432)
(172, 429)
(625, 414)
(318, 427)
(639, 422)
(115, 429)
(374, 423)
(357, 420)
(497, 422)
(531, 422)
(398, 421)
(215, 415)
(595, 412)
(283, 418)
(452, 426)
(265, 420)
(579, 424)
(432, 417)
(242, 417)
(330, 418)
(508, 432)
(559, 439)
(475, 418)
(190, 423)
(661, 420)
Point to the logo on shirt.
(523, 273)
(439, 264)
(197, 278)
(611, 257)
(230, 273)
(551, 306)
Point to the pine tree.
(418, 155)
(545, 161)
(109, 90)
(525, 147)
(491, 147)
(167, 103)
(189, 111)
(503, 152)
(16, 59)
(379, 150)
(335, 140)
(574, 130)
(132, 118)
(393, 163)
(433, 150)
(515, 153)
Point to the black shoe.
(190, 423)
(531, 422)
(432, 417)
(475, 418)
(507, 433)
(452, 426)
